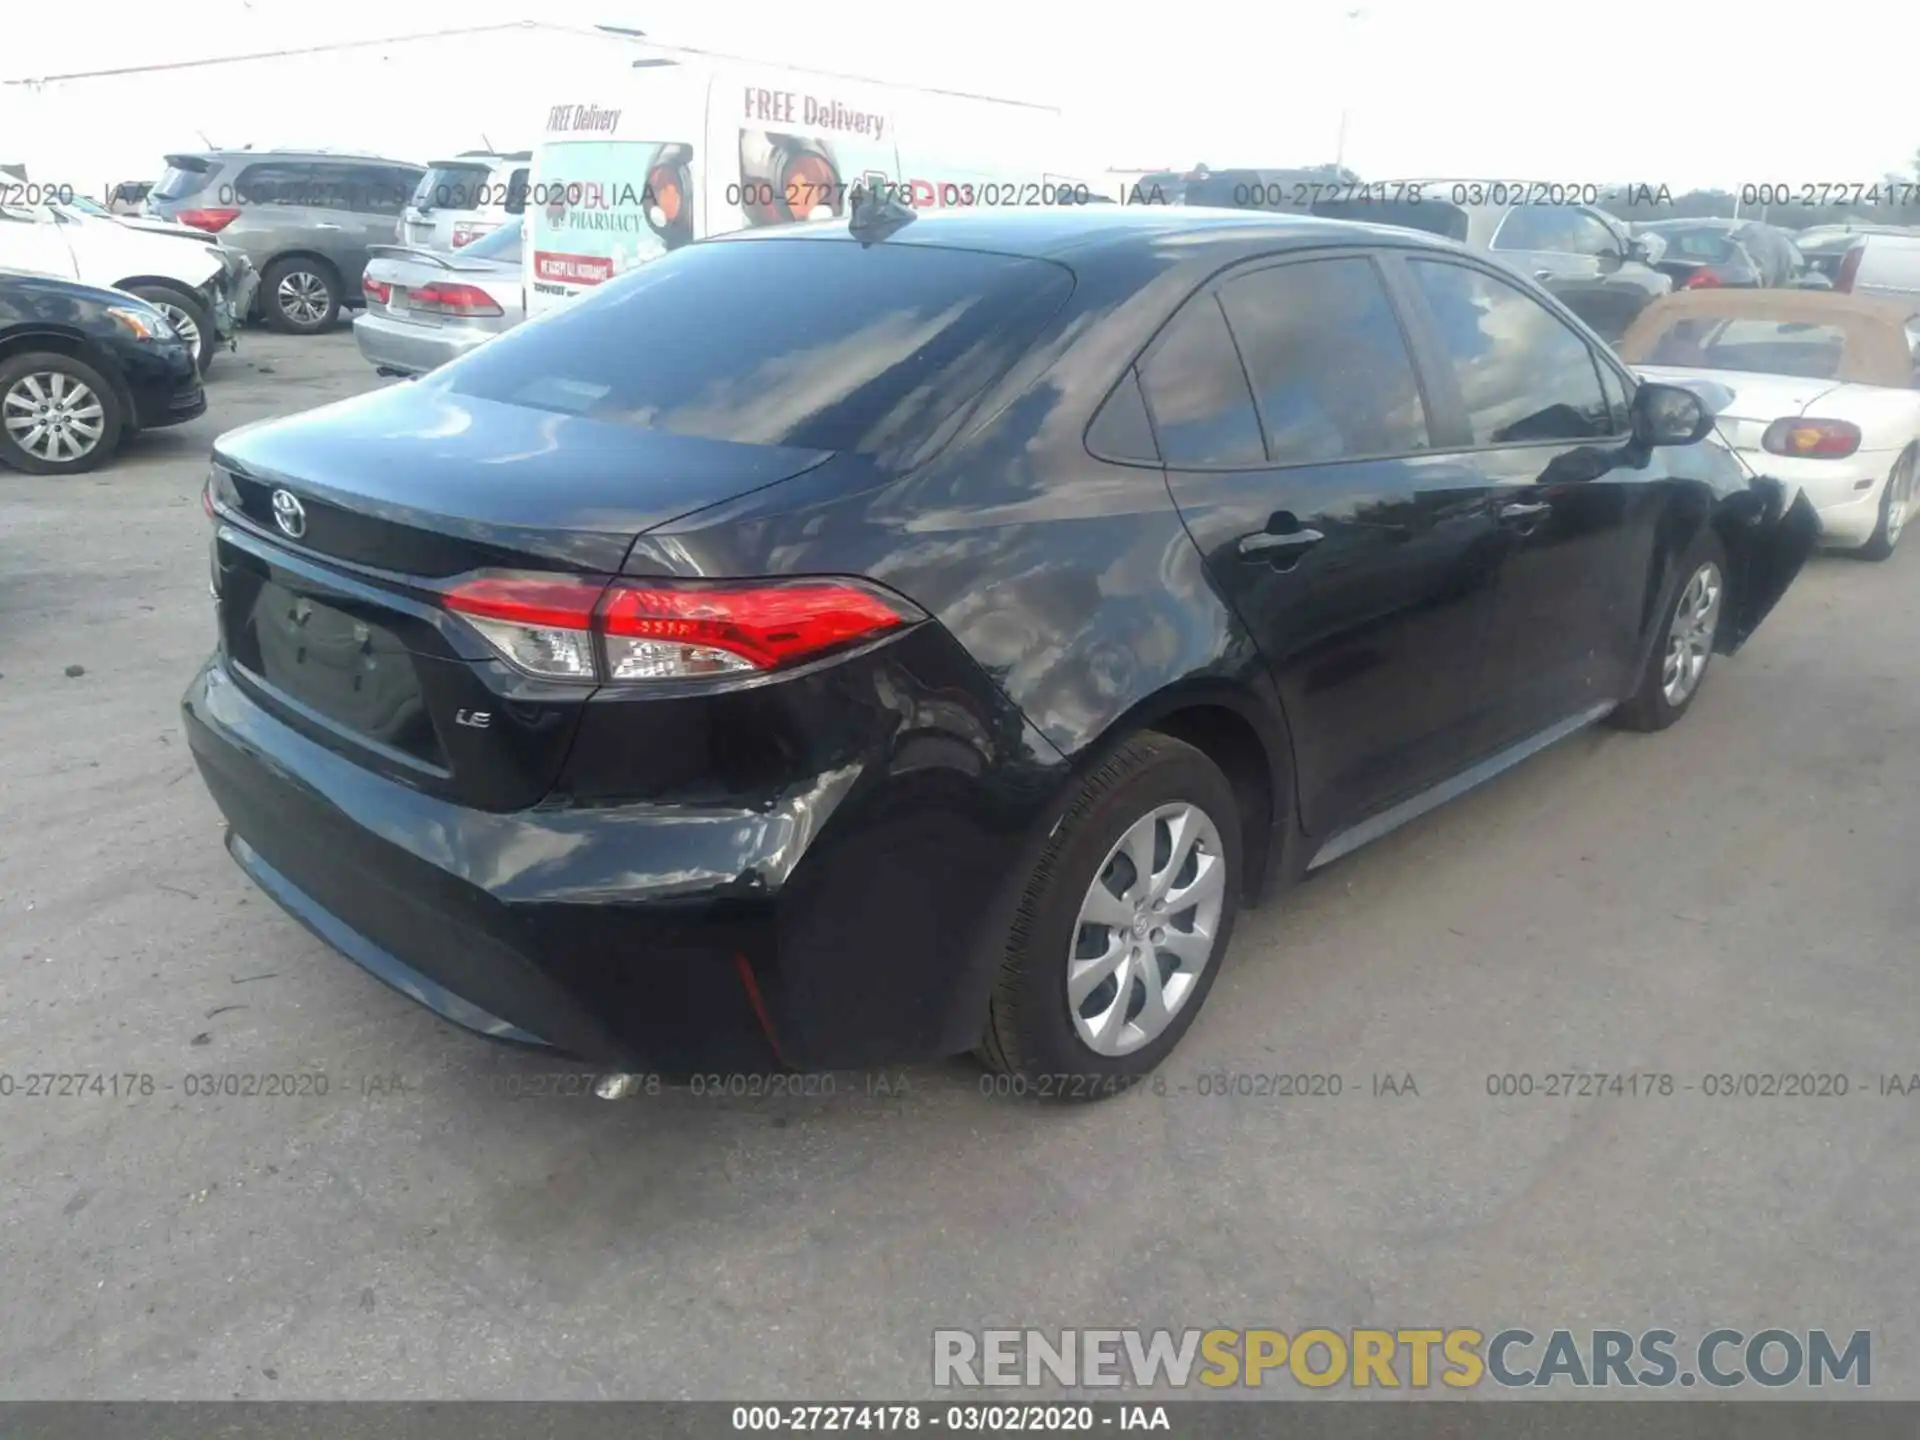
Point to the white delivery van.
(651, 156)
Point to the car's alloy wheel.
(303, 297)
(54, 417)
(1896, 504)
(1146, 930)
(1690, 636)
(187, 327)
(1121, 923)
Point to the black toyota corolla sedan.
(827, 646)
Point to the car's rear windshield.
(820, 344)
(1697, 244)
(1766, 347)
(452, 187)
(501, 244)
(185, 175)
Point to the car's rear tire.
(299, 296)
(1896, 504)
(1096, 989)
(189, 316)
(52, 404)
(1677, 664)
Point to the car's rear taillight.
(447, 299)
(376, 289)
(1812, 439)
(466, 233)
(1703, 279)
(565, 628)
(1849, 267)
(212, 221)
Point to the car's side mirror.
(1638, 249)
(1669, 415)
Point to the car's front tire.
(187, 315)
(1677, 666)
(300, 297)
(1122, 926)
(1896, 504)
(58, 415)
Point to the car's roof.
(1051, 233)
(1698, 222)
(345, 157)
(1877, 349)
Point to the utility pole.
(1340, 140)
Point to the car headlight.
(143, 324)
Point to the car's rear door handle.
(1266, 543)
(1521, 510)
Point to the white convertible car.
(1816, 389)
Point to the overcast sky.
(1615, 90)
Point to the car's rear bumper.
(1845, 494)
(391, 344)
(841, 927)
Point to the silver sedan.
(426, 307)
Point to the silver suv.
(305, 217)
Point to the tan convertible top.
(1877, 351)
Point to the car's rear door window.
(282, 182)
(816, 344)
(1329, 365)
(1197, 392)
(376, 189)
(1522, 373)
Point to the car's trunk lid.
(342, 528)
(1747, 403)
(403, 269)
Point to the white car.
(189, 282)
(1820, 390)
(1881, 265)
(459, 200)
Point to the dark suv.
(934, 645)
(305, 217)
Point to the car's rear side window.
(1197, 391)
(1121, 429)
(822, 344)
(1767, 347)
(1329, 366)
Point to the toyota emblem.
(289, 514)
